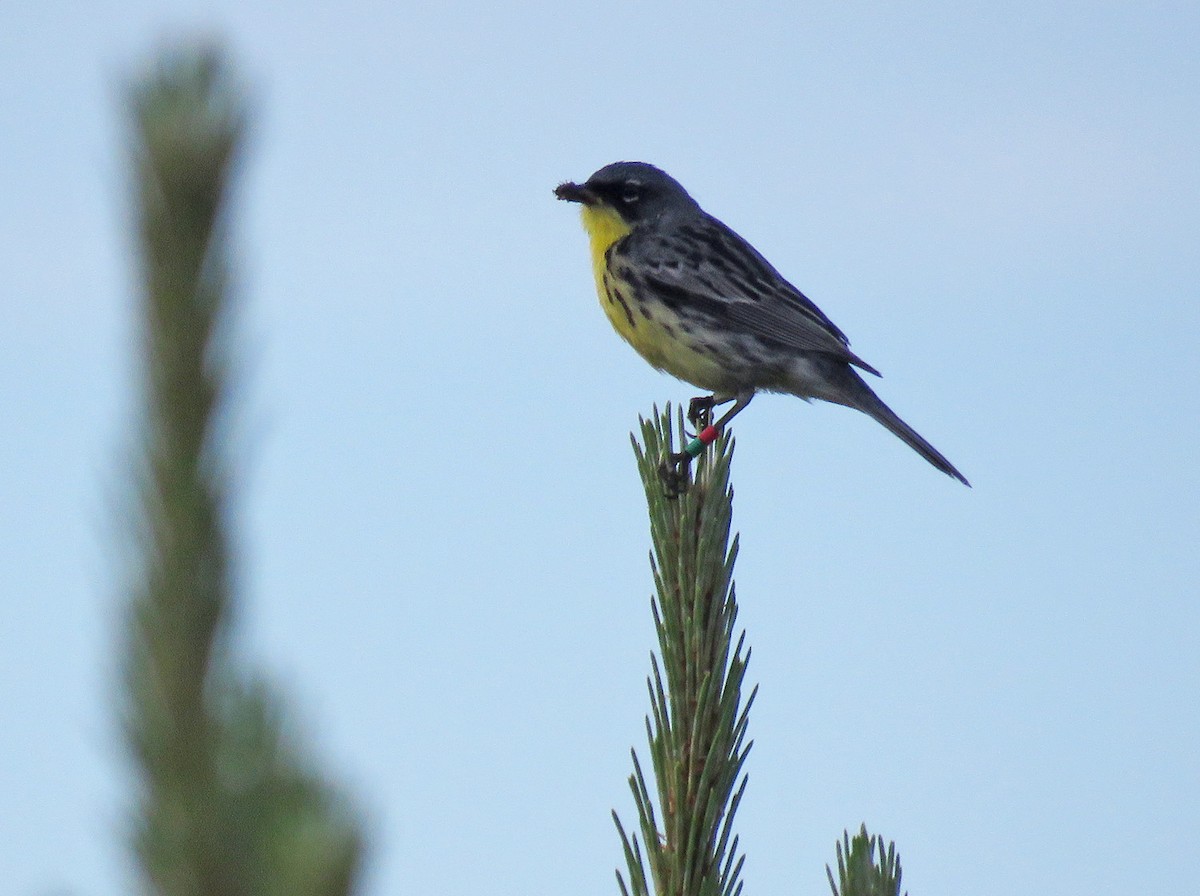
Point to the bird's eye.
(631, 195)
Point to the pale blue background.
(444, 543)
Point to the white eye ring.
(631, 195)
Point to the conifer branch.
(697, 725)
(227, 805)
(858, 872)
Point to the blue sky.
(443, 542)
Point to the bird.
(699, 302)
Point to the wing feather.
(708, 268)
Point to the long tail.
(870, 403)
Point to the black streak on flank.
(614, 294)
(628, 275)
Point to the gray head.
(634, 190)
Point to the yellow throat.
(604, 227)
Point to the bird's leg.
(700, 408)
(674, 471)
(740, 401)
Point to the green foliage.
(227, 806)
(697, 729)
(858, 872)
(697, 726)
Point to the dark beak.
(575, 193)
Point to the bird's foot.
(700, 411)
(675, 473)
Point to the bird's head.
(634, 191)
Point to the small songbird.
(698, 301)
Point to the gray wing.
(706, 267)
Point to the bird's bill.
(572, 192)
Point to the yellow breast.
(604, 227)
(649, 326)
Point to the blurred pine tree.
(228, 804)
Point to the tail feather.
(875, 408)
(813, 375)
